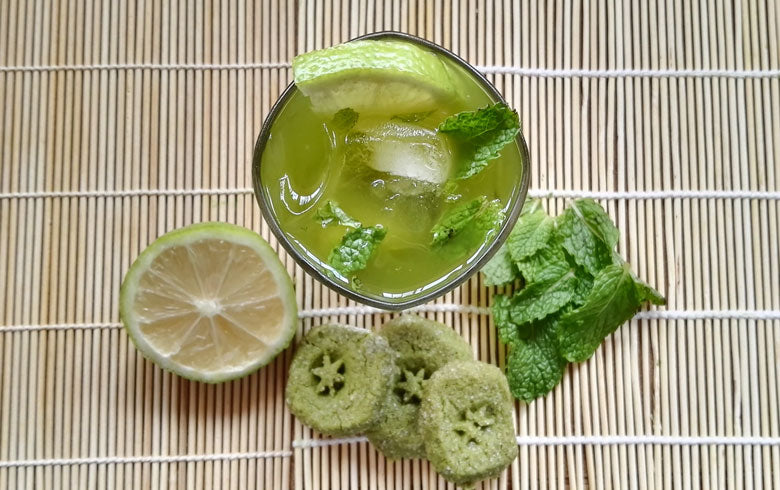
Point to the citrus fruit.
(373, 77)
(209, 302)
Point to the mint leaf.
(412, 117)
(597, 220)
(507, 331)
(331, 213)
(582, 289)
(344, 120)
(644, 291)
(489, 219)
(612, 301)
(535, 365)
(482, 134)
(355, 249)
(500, 269)
(531, 233)
(471, 124)
(588, 234)
(547, 264)
(357, 151)
(479, 216)
(540, 299)
(647, 292)
(456, 220)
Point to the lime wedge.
(209, 302)
(373, 77)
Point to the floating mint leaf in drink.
(331, 213)
(355, 249)
(481, 134)
(344, 119)
(477, 218)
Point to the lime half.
(373, 77)
(210, 302)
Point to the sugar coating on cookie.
(466, 422)
(340, 378)
(423, 347)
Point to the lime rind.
(373, 77)
(189, 235)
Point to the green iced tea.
(395, 171)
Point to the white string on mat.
(628, 73)
(183, 458)
(541, 193)
(490, 69)
(662, 194)
(310, 443)
(125, 193)
(315, 443)
(59, 326)
(767, 315)
(708, 315)
(596, 440)
(148, 66)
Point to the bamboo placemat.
(122, 120)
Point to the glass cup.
(314, 268)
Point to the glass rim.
(340, 288)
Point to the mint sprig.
(531, 233)
(500, 269)
(344, 120)
(577, 291)
(588, 234)
(357, 246)
(535, 365)
(538, 300)
(331, 213)
(478, 216)
(481, 135)
(612, 301)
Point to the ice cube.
(402, 150)
(402, 169)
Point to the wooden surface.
(121, 120)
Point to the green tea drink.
(391, 168)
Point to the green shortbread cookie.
(466, 422)
(340, 378)
(423, 347)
